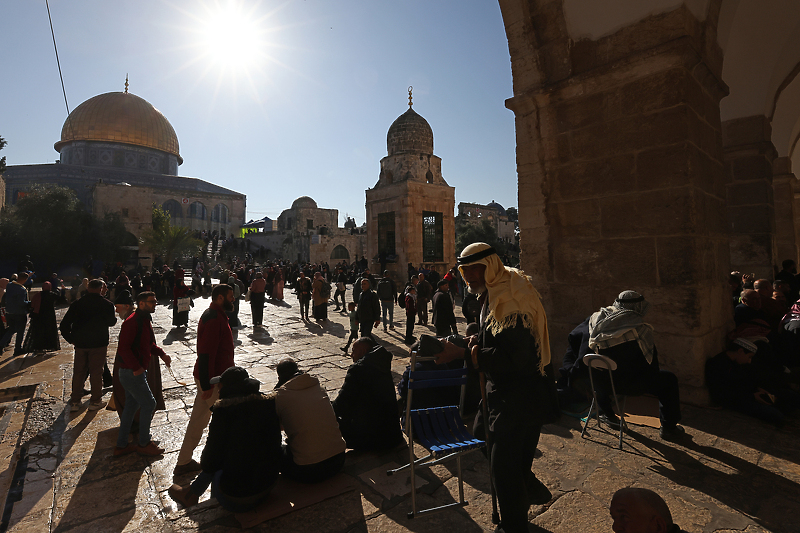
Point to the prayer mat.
(288, 495)
(398, 484)
(642, 411)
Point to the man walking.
(16, 312)
(387, 292)
(214, 356)
(369, 309)
(513, 350)
(137, 344)
(86, 327)
(424, 293)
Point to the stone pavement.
(730, 473)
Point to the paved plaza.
(729, 474)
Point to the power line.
(63, 89)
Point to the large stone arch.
(621, 180)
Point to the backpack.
(402, 300)
(325, 290)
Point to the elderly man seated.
(618, 332)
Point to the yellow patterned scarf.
(512, 296)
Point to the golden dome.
(122, 118)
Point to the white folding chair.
(603, 363)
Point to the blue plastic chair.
(440, 430)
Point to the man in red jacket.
(137, 344)
(214, 356)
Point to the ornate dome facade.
(120, 118)
(410, 133)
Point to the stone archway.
(621, 180)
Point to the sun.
(231, 38)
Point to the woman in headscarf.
(277, 284)
(43, 331)
(180, 293)
(319, 297)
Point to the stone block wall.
(621, 181)
(749, 155)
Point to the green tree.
(3, 144)
(467, 234)
(167, 240)
(52, 226)
(513, 216)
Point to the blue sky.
(275, 99)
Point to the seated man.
(734, 384)
(618, 332)
(243, 450)
(315, 449)
(366, 405)
(641, 511)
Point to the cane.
(487, 435)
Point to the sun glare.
(231, 38)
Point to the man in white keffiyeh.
(619, 332)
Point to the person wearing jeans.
(137, 343)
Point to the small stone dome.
(304, 202)
(410, 133)
(123, 118)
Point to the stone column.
(784, 184)
(749, 154)
(621, 183)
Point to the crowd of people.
(506, 342)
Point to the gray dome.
(410, 133)
(304, 202)
(500, 209)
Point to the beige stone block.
(595, 178)
(752, 219)
(649, 213)
(597, 261)
(575, 511)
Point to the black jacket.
(444, 319)
(369, 308)
(87, 321)
(366, 406)
(516, 392)
(244, 441)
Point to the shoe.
(343, 349)
(150, 449)
(130, 448)
(384, 330)
(74, 407)
(611, 421)
(96, 406)
(673, 433)
(185, 497)
(538, 493)
(191, 466)
(391, 327)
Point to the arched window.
(197, 210)
(173, 208)
(340, 252)
(220, 213)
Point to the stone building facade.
(410, 209)
(493, 212)
(308, 233)
(654, 152)
(120, 154)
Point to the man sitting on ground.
(243, 450)
(618, 332)
(735, 384)
(315, 449)
(366, 405)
